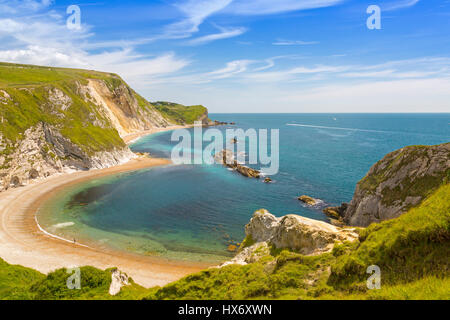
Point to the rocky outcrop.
(118, 280)
(44, 152)
(250, 254)
(401, 180)
(227, 158)
(308, 200)
(307, 236)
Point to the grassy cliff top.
(21, 75)
(180, 113)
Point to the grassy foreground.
(412, 252)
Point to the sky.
(248, 56)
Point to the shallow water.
(194, 212)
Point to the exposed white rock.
(118, 280)
(300, 234)
(59, 99)
(249, 255)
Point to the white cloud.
(400, 4)
(281, 42)
(44, 39)
(16, 6)
(195, 12)
(232, 68)
(383, 96)
(224, 34)
(261, 7)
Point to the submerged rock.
(308, 200)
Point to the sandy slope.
(22, 242)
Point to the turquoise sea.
(194, 212)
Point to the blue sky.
(248, 55)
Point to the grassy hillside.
(19, 283)
(28, 89)
(15, 281)
(25, 101)
(181, 114)
(412, 252)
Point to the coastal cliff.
(398, 182)
(54, 120)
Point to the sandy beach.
(132, 137)
(22, 241)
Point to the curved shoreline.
(23, 242)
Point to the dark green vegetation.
(181, 114)
(412, 251)
(19, 283)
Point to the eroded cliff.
(54, 119)
(398, 182)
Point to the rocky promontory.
(398, 182)
(297, 233)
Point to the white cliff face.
(300, 234)
(121, 107)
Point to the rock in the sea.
(308, 200)
(227, 158)
(297, 233)
(336, 212)
(267, 180)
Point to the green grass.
(180, 114)
(20, 75)
(408, 248)
(15, 281)
(29, 86)
(19, 283)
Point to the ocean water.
(194, 212)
